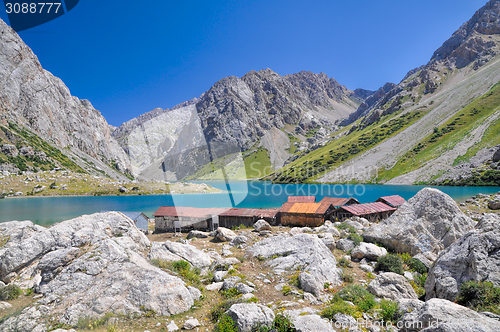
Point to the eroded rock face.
(249, 315)
(391, 286)
(32, 97)
(429, 222)
(88, 266)
(472, 257)
(438, 315)
(303, 250)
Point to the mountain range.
(301, 127)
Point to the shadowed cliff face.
(33, 98)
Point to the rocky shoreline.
(100, 272)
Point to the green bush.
(359, 296)
(226, 324)
(10, 292)
(480, 296)
(230, 293)
(337, 305)
(344, 262)
(390, 263)
(390, 311)
(417, 266)
(347, 227)
(282, 323)
(347, 277)
(356, 238)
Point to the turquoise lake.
(251, 194)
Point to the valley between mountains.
(439, 125)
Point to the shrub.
(286, 290)
(390, 311)
(337, 305)
(282, 323)
(10, 292)
(86, 323)
(359, 296)
(356, 238)
(226, 324)
(347, 277)
(347, 227)
(417, 266)
(344, 262)
(390, 263)
(230, 293)
(222, 307)
(480, 296)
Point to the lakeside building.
(394, 200)
(339, 201)
(305, 214)
(140, 219)
(189, 217)
(371, 211)
(247, 217)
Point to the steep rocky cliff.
(35, 100)
(451, 102)
(237, 115)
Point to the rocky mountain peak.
(474, 39)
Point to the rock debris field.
(422, 269)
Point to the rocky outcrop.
(88, 266)
(33, 98)
(308, 320)
(247, 316)
(472, 257)
(368, 251)
(439, 315)
(429, 222)
(391, 286)
(494, 204)
(231, 117)
(285, 253)
(175, 251)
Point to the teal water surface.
(243, 194)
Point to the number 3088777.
(33, 8)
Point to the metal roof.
(182, 211)
(236, 212)
(134, 215)
(394, 200)
(339, 201)
(308, 208)
(368, 208)
(301, 199)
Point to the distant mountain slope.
(426, 124)
(261, 110)
(33, 99)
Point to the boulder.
(427, 259)
(89, 266)
(219, 275)
(216, 286)
(239, 239)
(368, 251)
(354, 224)
(243, 288)
(327, 227)
(223, 234)
(429, 222)
(172, 327)
(10, 150)
(230, 282)
(262, 225)
(496, 155)
(472, 257)
(5, 306)
(190, 253)
(345, 245)
(310, 284)
(328, 240)
(439, 315)
(392, 286)
(197, 234)
(190, 324)
(307, 320)
(195, 293)
(494, 204)
(305, 251)
(247, 316)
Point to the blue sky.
(129, 57)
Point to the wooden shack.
(235, 217)
(189, 217)
(301, 199)
(305, 214)
(140, 219)
(337, 202)
(394, 200)
(371, 211)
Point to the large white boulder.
(472, 257)
(391, 286)
(247, 316)
(429, 222)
